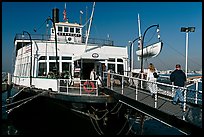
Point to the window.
(43, 58)
(111, 60)
(66, 29)
(111, 67)
(42, 68)
(72, 30)
(66, 66)
(53, 58)
(66, 58)
(77, 30)
(120, 69)
(52, 66)
(59, 28)
(119, 60)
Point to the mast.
(140, 35)
(86, 19)
(65, 13)
(89, 26)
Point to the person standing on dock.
(178, 78)
(150, 77)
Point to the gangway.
(134, 92)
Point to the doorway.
(87, 67)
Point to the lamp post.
(55, 44)
(187, 30)
(30, 57)
(131, 54)
(143, 44)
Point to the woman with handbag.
(152, 78)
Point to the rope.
(122, 127)
(153, 34)
(182, 54)
(93, 124)
(40, 26)
(97, 124)
(118, 109)
(28, 99)
(96, 118)
(18, 92)
(130, 128)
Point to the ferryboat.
(57, 68)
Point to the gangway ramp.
(166, 112)
(159, 107)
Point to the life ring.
(89, 86)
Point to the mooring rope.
(18, 92)
(27, 100)
(93, 123)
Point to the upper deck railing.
(101, 42)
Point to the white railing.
(112, 80)
(78, 87)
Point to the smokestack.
(55, 15)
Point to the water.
(43, 117)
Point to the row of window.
(67, 29)
(23, 69)
(69, 34)
(54, 58)
(70, 58)
(42, 69)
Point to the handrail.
(68, 85)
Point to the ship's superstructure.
(66, 53)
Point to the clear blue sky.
(119, 20)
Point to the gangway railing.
(134, 92)
(116, 80)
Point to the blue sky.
(119, 21)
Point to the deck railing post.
(111, 81)
(196, 97)
(67, 86)
(136, 92)
(96, 88)
(172, 91)
(155, 97)
(80, 87)
(108, 79)
(141, 81)
(122, 83)
(58, 85)
(184, 104)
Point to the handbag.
(155, 75)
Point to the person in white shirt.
(93, 75)
(151, 78)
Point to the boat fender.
(89, 86)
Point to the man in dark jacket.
(178, 77)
